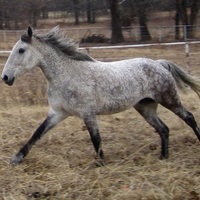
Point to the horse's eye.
(21, 50)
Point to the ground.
(63, 164)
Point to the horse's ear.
(30, 32)
(27, 35)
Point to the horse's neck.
(55, 67)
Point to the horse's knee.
(189, 119)
(192, 123)
(92, 126)
(164, 135)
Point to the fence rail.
(184, 50)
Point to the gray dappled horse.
(81, 86)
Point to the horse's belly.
(113, 107)
(119, 100)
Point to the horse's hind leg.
(92, 126)
(173, 103)
(147, 108)
(188, 118)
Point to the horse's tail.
(181, 77)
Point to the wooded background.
(122, 13)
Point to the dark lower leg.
(148, 110)
(189, 119)
(36, 136)
(93, 129)
(163, 131)
(96, 140)
(186, 116)
(41, 130)
(164, 135)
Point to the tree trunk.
(76, 11)
(193, 16)
(177, 21)
(16, 24)
(44, 13)
(183, 11)
(88, 11)
(144, 32)
(34, 18)
(189, 24)
(93, 13)
(116, 36)
(194, 11)
(1, 20)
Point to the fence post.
(160, 33)
(77, 33)
(88, 50)
(185, 32)
(187, 51)
(4, 36)
(17, 35)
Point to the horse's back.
(124, 83)
(137, 71)
(134, 66)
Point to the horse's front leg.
(52, 119)
(92, 126)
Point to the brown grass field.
(62, 165)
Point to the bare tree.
(193, 16)
(76, 11)
(177, 21)
(116, 36)
(136, 10)
(35, 8)
(90, 11)
(127, 12)
(142, 7)
(188, 19)
(17, 12)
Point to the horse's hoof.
(17, 159)
(100, 162)
(163, 157)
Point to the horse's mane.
(59, 39)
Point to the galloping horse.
(81, 86)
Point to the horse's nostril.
(5, 78)
(8, 80)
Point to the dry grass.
(62, 165)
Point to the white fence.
(171, 51)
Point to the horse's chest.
(63, 98)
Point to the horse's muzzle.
(8, 81)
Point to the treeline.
(185, 14)
(14, 14)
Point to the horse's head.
(23, 57)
